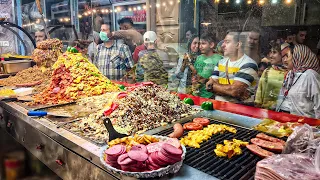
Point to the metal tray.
(15, 66)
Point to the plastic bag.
(304, 139)
(287, 166)
(34, 12)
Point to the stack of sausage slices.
(264, 145)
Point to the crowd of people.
(232, 70)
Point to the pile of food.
(29, 77)
(262, 145)
(276, 128)
(195, 138)
(230, 148)
(151, 154)
(47, 52)
(148, 107)
(74, 77)
(92, 126)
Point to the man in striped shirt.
(112, 59)
(235, 76)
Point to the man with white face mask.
(112, 59)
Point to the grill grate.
(240, 167)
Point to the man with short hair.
(235, 76)
(152, 62)
(40, 36)
(112, 59)
(299, 35)
(128, 33)
(252, 45)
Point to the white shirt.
(304, 96)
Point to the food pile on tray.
(74, 77)
(149, 107)
(31, 77)
(91, 126)
(47, 52)
(143, 156)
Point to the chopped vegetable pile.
(74, 77)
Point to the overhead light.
(171, 2)
(102, 10)
(94, 11)
(107, 10)
(139, 8)
(164, 4)
(288, 1)
(115, 10)
(227, 1)
(145, 7)
(130, 9)
(238, 1)
(249, 1)
(111, 10)
(274, 1)
(134, 9)
(80, 16)
(216, 1)
(261, 2)
(206, 23)
(157, 5)
(60, 19)
(86, 14)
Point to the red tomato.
(192, 126)
(202, 121)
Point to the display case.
(136, 10)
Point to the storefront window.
(187, 33)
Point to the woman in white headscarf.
(300, 94)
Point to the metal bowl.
(15, 66)
(170, 169)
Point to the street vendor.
(40, 35)
(112, 59)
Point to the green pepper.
(68, 49)
(122, 87)
(188, 101)
(74, 50)
(207, 105)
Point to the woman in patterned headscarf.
(271, 80)
(300, 94)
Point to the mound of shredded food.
(148, 107)
(47, 52)
(92, 126)
(74, 77)
(26, 76)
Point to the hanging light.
(79, 16)
(261, 2)
(227, 1)
(171, 2)
(164, 4)
(86, 14)
(115, 10)
(274, 1)
(119, 9)
(60, 19)
(106, 10)
(111, 10)
(145, 7)
(249, 1)
(216, 1)
(130, 9)
(238, 1)
(102, 10)
(135, 9)
(288, 1)
(89, 12)
(139, 8)
(94, 11)
(157, 5)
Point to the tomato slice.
(202, 121)
(192, 126)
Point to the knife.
(44, 113)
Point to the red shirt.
(136, 52)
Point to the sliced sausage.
(259, 151)
(269, 138)
(272, 146)
(177, 131)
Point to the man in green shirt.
(204, 65)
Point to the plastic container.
(14, 164)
